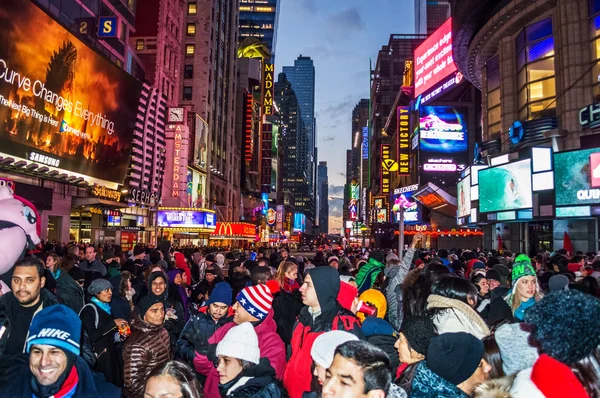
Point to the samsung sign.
(589, 116)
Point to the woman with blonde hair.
(287, 275)
(525, 288)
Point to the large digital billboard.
(196, 188)
(187, 219)
(200, 143)
(299, 222)
(463, 196)
(61, 103)
(433, 59)
(403, 197)
(577, 177)
(505, 187)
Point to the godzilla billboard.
(62, 104)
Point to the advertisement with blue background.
(186, 219)
(299, 222)
(411, 214)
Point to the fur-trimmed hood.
(497, 388)
(456, 316)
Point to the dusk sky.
(340, 36)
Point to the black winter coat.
(194, 336)
(262, 383)
(286, 307)
(70, 292)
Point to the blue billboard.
(443, 129)
(191, 219)
(402, 197)
(365, 142)
(299, 222)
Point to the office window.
(139, 44)
(187, 93)
(188, 71)
(192, 10)
(191, 29)
(492, 67)
(190, 49)
(535, 71)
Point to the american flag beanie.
(256, 300)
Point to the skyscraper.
(302, 78)
(323, 194)
(430, 15)
(260, 18)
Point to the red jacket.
(269, 343)
(298, 375)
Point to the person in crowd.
(67, 289)
(361, 370)
(454, 367)
(147, 347)
(25, 299)
(174, 316)
(375, 299)
(382, 334)
(91, 263)
(333, 261)
(253, 304)
(101, 327)
(287, 277)
(178, 292)
(211, 278)
(525, 289)
(286, 304)
(260, 274)
(491, 354)
(412, 344)
(53, 367)
(483, 291)
(173, 379)
(182, 263)
(322, 312)
(416, 293)
(203, 324)
(109, 260)
(283, 255)
(242, 371)
(322, 353)
(451, 305)
(122, 303)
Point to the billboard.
(403, 134)
(200, 143)
(189, 219)
(577, 177)
(463, 196)
(299, 222)
(388, 165)
(234, 230)
(505, 187)
(365, 143)
(433, 59)
(401, 197)
(61, 103)
(268, 88)
(196, 188)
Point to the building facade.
(260, 18)
(208, 91)
(430, 15)
(323, 195)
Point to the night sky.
(340, 36)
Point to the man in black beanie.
(454, 367)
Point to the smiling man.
(55, 367)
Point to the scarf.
(56, 274)
(64, 387)
(289, 285)
(103, 306)
(525, 305)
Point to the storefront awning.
(436, 199)
(82, 202)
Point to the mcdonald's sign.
(233, 230)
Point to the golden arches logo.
(224, 228)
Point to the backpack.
(88, 352)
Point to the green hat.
(521, 269)
(523, 257)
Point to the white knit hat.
(323, 348)
(240, 342)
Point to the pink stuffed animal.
(19, 232)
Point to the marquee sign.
(268, 88)
(230, 230)
(102, 192)
(403, 140)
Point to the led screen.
(463, 196)
(411, 213)
(299, 222)
(61, 103)
(192, 219)
(506, 187)
(577, 177)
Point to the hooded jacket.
(174, 314)
(70, 292)
(269, 344)
(256, 381)
(394, 292)
(455, 316)
(333, 316)
(427, 384)
(146, 348)
(90, 384)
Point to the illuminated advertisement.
(178, 137)
(403, 197)
(196, 188)
(505, 187)
(188, 219)
(200, 143)
(271, 217)
(265, 203)
(388, 165)
(403, 140)
(380, 208)
(229, 230)
(279, 220)
(577, 177)
(299, 222)
(433, 59)
(463, 196)
(267, 157)
(365, 143)
(61, 103)
(268, 88)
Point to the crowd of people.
(86, 321)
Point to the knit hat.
(377, 327)
(257, 300)
(240, 342)
(163, 264)
(566, 325)
(391, 256)
(220, 294)
(107, 255)
(376, 298)
(323, 348)
(478, 265)
(418, 330)
(98, 285)
(138, 249)
(347, 295)
(210, 257)
(503, 271)
(347, 278)
(220, 259)
(558, 282)
(58, 326)
(556, 380)
(454, 356)
(146, 302)
(516, 353)
(332, 258)
(492, 274)
(521, 269)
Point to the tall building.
(158, 42)
(208, 91)
(323, 194)
(293, 136)
(302, 78)
(260, 18)
(430, 15)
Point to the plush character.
(20, 226)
